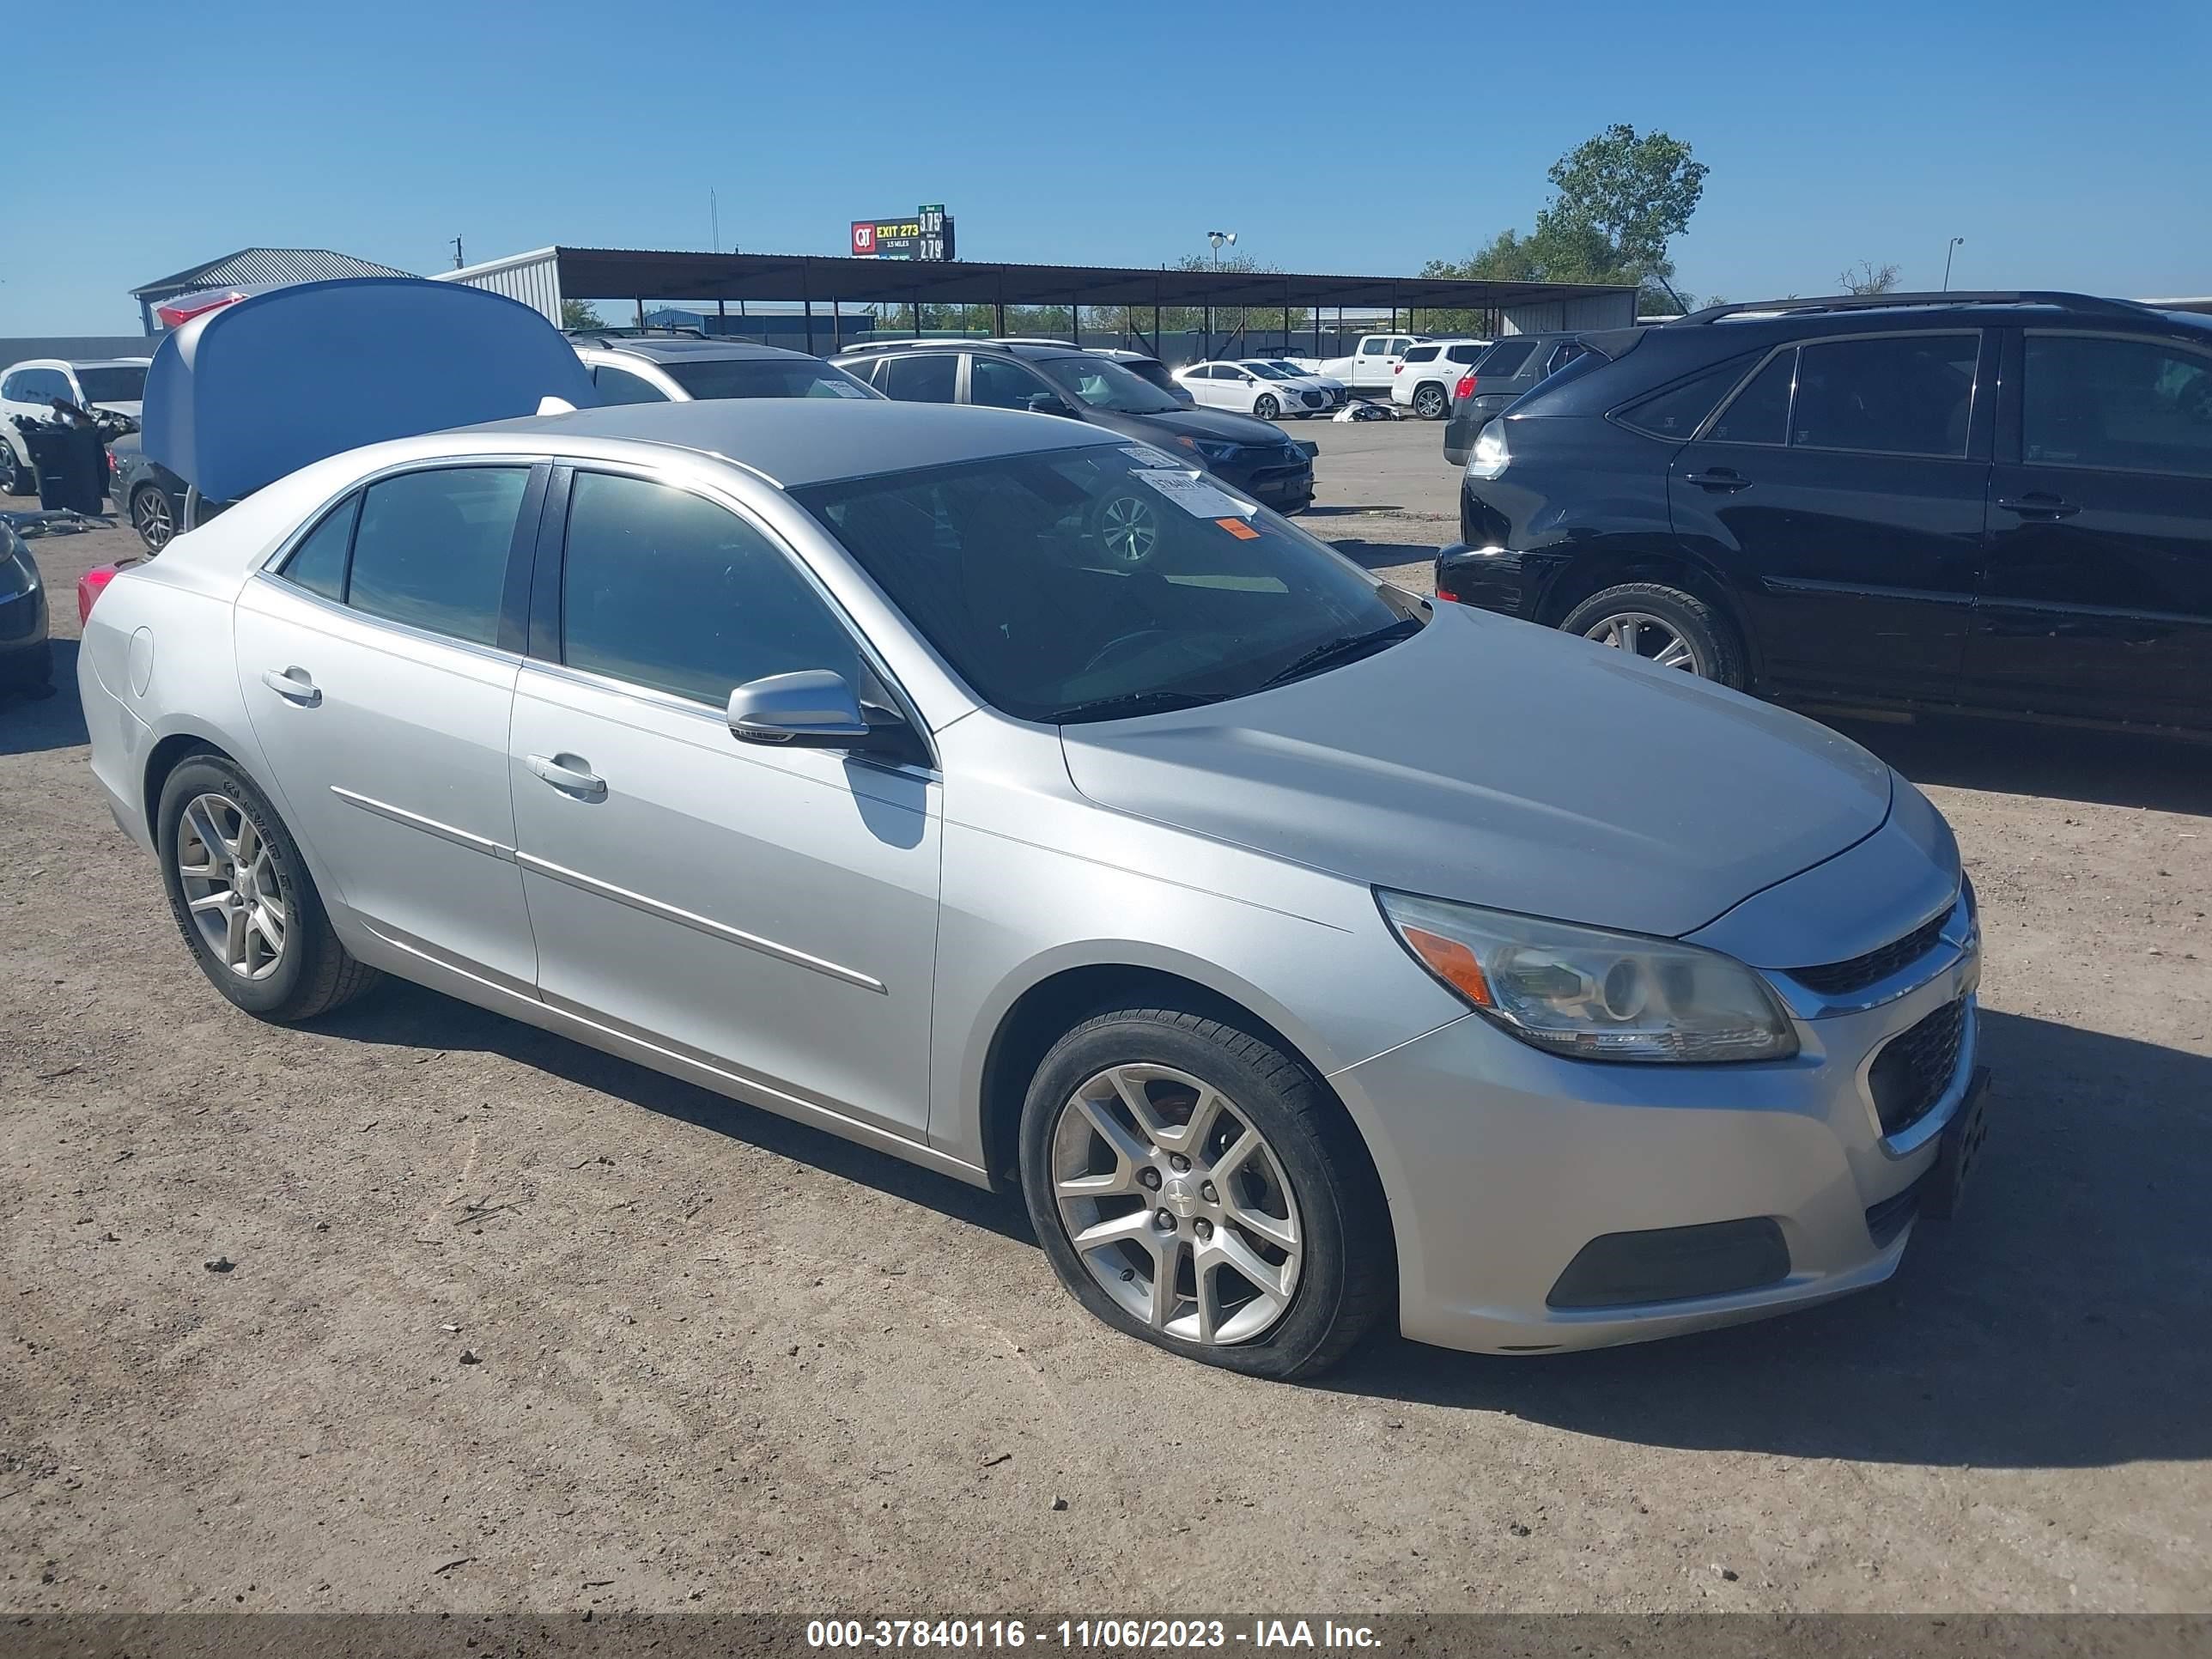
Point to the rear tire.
(1664, 625)
(154, 514)
(1297, 1202)
(17, 476)
(308, 972)
(1430, 402)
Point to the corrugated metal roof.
(264, 265)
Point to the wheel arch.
(165, 756)
(1595, 572)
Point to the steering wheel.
(1113, 644)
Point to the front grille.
(1840, 978)
(1315, 399)
(1910, 1076)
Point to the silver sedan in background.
(1019, 801)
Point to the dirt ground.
(515, 1325)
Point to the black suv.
(1992, 503)
(1081, 385)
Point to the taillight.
(1443, 593)
(89, 587)
(112, 468)
(1465, 386)
(1397, 368)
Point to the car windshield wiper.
(1130, 704)
(1329, 653)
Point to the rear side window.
(1464, 354)
(1681, 408)
(1421, 355)
(318, 563)
(924, 377)
(1505, 357)
(1902, 394)
(1760, 414)
(619, 385)
(431, 549)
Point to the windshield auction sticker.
(1200, 497)
(1145, 455)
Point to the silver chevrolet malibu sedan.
(1031, 805)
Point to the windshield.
(765, 377)
(1152, 372)
(1269, 372)
(1105, 385)
(1101, 583)
(1291, 371)
(121, 383)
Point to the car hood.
(1211, 423)
(1505, 764)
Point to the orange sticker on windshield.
(1238, 528)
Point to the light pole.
(1217, 237)
(1953, 246)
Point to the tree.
(581, 313)
(1622, 197)
(1869, 278)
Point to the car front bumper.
(25, 655)
(1726, 1192)
(1286, 486)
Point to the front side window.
(1760, 414)
(1375, 346)
(999, 384)
(666, 589)
(927, 377)
(2137, 405)
(1897, 394)
(431, 549)
(1079, 585)
(619, 385)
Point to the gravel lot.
(720, 1362)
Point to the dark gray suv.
(1513, 366)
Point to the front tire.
(244, 900)
(1264, 408)
(1194, 1186)
(1663, 625)
(1430, 402)
(17, 476)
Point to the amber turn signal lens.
(1451, 962)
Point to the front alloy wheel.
(1177, 1205)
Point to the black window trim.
(1978, 400)
(1618, 415)
(547, 629)
(2014, 439)
(513, 620)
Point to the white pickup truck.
(1369, 368)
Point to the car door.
(2096, 594)
(1840, 492)
(1372, 363)
(997, 382)
(768, 913)
(377, 658)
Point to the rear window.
(1680, 410)
(1505, 357)
(122, 384)
(1421, 353)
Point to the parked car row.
(1996, 504)
(30, 389)
(1266, 388)
(1022, 798)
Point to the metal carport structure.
(642, 275)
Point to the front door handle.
(294, 685)
(2037, 506)
(1720, 479)
(577, 778)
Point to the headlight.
(1211, 448)
(1593, 994)
(18, 575)
(1489, 458)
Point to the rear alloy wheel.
(243, 899)
(1195, 1186)
(1665, 626)
(1264, 406)
(154, 516)
(1430, 402)
(16, 478)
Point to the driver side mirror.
(1043, 403)
(814, 708)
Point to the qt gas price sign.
(925, 234)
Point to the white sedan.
(1253, 387)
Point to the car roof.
(802, 440)
(78, 362)
(678, 348)
(1036, 350)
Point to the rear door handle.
(1719, 478)
(2037, 506)
(293, 684)
(577, 779)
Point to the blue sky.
(2071, 145)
